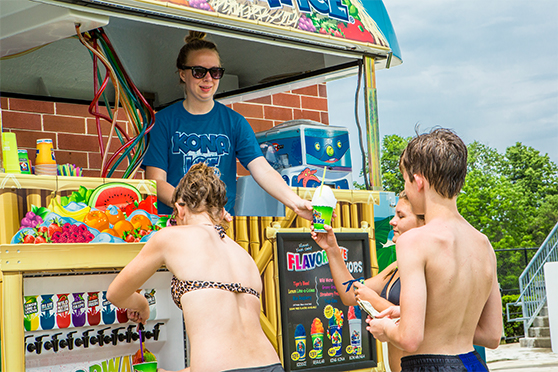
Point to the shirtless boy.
(450, 298)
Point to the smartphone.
(368, 308)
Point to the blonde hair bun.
(194, 35)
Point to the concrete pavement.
(513, 358)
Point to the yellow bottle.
(45, 152)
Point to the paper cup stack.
(45, 162)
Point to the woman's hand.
(362, 292)
(325, 240)
(303, 208)
(140, 315)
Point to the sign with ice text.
(320, 333)
(343, 22)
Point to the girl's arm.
(122, 291)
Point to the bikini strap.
(221, 231)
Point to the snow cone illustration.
(355, 328)
(335, 330)
(300, 342)
(317, 333)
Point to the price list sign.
(319, 332)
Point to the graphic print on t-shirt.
(198, 148)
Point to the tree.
(512, 198)
(392, 179)
(392, 148)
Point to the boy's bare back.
(457, 273)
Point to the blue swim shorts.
(470, 362)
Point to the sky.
(486, 69)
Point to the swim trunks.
(470, 362)
(271, 368)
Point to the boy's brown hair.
(441, 157)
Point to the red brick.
(248, 110)
(95, 161)
(117, 174)
(91, 173)
(262, 100)
(65, 124)
(322, 89)
(28, 138)
(140, 175)
(71, 109)
(241, 171)
(21, 120)
(71, 157)
(307, 91)
(259, 125)
(278, 113)
(105, 126)
(17, 104)
(313, 103)
(3, 103)
(78, 142)
(307, 114)
(288, 100)
(325, 117)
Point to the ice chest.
(298, 143)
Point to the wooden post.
(372, 126)
(13, 347)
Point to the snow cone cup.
(318, 344)
(323, 203)
(355, 329)
(145, 367)
(336, 340)
(300, 342)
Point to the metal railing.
(531, 282)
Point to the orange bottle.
(45, 152)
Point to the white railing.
(532, 287)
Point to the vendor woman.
(199, 129)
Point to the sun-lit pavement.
(513, 358)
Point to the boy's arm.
(408, 334)
(489, 328)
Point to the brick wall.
(74, 134)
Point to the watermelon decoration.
(118, 194)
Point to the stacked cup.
(45, 162)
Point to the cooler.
(300, 149)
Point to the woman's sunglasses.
(199, 72)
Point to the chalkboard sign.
(319, 332)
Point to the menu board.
(319, 332)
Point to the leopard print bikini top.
(180, 287)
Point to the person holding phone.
(215, 283)
(200, 130)
(382, 290)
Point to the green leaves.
(392, 148)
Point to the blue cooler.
(300, 149)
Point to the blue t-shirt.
(179, 139)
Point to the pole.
(372, 126)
